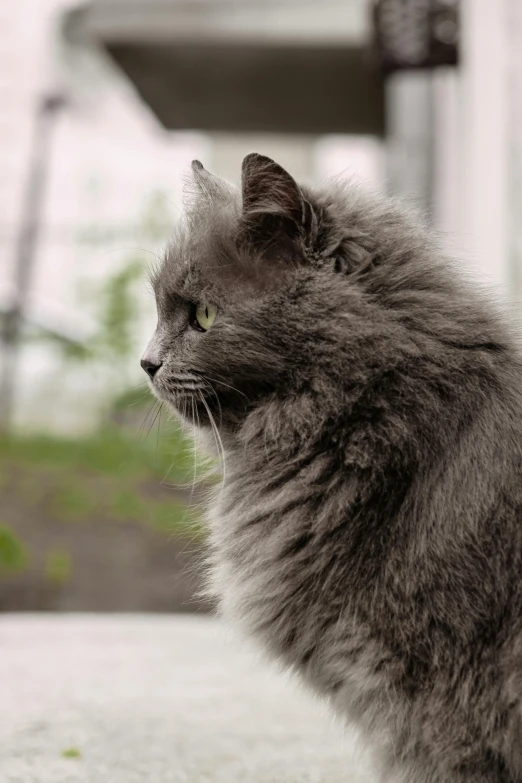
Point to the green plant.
(13, 554)
(58, 567)
(71, 753)
(110, 451)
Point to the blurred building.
(295, 64)
(152, 84)
(110, 161)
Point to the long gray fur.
(368, 403)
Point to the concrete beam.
(251, 66)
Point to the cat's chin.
(182, 406)
(191, 411)
(185, 416)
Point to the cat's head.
(262, 293)
(233, 315)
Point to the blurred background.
(102, 107)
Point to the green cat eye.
(205, 316)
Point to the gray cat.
(366, 405)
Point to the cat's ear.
(273, 202)
(205, 183)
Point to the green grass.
(111, 452)
(71, 753)
(114, 475)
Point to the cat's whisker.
(194, 471)
(186, 377)
(139, 400)
(189, 382)
(158, 432)
(209, 386)
(228, 386)
(126, 249)
(157, 413)
(217, 437)
(150, 412)
(194, 434)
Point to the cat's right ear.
(274, 207)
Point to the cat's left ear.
(273, 203)
(201, 190)
(208, 185)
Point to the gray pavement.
(156, 699)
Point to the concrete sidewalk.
(155, 699)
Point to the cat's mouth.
(188, 394)
(198, 399)
(178, 386)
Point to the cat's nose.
(151, 368)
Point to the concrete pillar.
(410, 162)
(484, 139)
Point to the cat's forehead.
(183, 275)
(198, 265)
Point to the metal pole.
(25, 253)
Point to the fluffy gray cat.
(368, 406)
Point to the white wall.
(472, 146)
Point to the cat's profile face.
(279, 292)
(235, 296)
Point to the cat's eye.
(203, 316)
